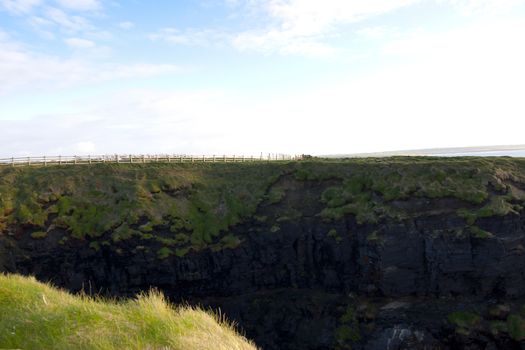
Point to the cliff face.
(323, 263)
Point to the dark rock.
(290, 289)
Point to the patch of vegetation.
(95, 246)
(38, 316)
(164, 253)
(464, 321)
(180, 252)
(348, 331)
(289, 214)
(371, 188)
(39, 235)
(516, 327)
(230, 241)
(195, 206)
(479, 233)
(275, 195)
(497, 327)
(496, 206)
(198, 201)
(333, 234)
(374, 237)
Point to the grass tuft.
(38, 316)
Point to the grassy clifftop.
(187, 207)
(38, 316)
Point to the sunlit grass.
(37, 316)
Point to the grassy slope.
(194, 205)
(38, 316)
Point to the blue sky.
(251, 76)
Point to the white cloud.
(470, 7)
(305, 26)
(126, 25)
(283, 42)
(42, 26)
(19, 6)
(458, 88)
(85, 147)
(292, 26)
(306, 17)
(378, 32)
(21, 68)
(80, 5)
(191, 37)
(302, 26)
(132, 121)
(79, 43)
(66, 21)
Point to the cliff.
(397, 253)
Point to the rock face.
(308, 283)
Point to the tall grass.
(34, 315)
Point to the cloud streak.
(80, 5)
(19, 7)
(306, 27)
(21, 68)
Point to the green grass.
(198, 201)
(39, 234)
(196, 205)
(465, 321)
(335, 235)
(348, 331)
(38, 316)
(479, 233)
(516, 327)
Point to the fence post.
(204, 158)
(234, 158)
(224, 158)
(214, 158)
(192, 159)
(89, 159)
(117, 157)
(180, 158)
(28, 161)
(169, 158)
(45, 162)
(59, 160)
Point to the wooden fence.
(140, 159)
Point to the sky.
(82, 77)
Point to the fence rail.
(140, 159)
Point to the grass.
(479, 233)
(195, 206)
(335, 235)
(197, 201)
(38, 316)
(516, 327)
(465, 321)
(348, 331)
